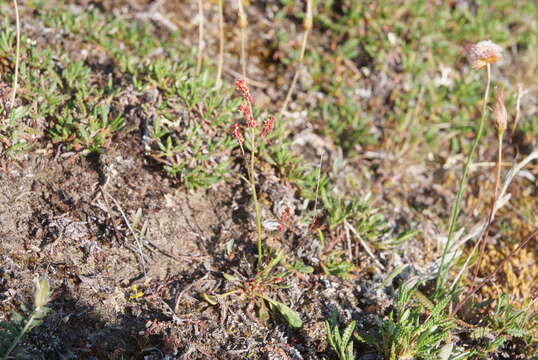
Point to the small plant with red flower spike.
(252, 133)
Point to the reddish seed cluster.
(237, 134)
(242, 87)
(268, 125)
(246, 110)
(247, 113)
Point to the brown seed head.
(483, 53)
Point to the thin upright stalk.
(246, 110)
(201, 46)
(457, 202)
(18, 339)
(252, 181)
(17, 54)
(218, 82)
(307, 28)
(484, 238)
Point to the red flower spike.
(242, 87)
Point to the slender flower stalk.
(308, 21)
(501, 120)
(246, 110)
(255, 195)
(480, 55)
(457, 202)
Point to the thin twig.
(17, 55)
(348, 240)
(201, 46)
(138, 243)
(307, 27)
(364, 245)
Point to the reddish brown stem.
(495, 272)
(484, 238)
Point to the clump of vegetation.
(256, 290)
(411, 331)
(378, 86)
(341, 343)
(14, 331)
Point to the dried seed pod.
(499, 112)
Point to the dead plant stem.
(218, 82)
(494, 272)
(126, 220)
(242, 29)
(17, 54)
(520, 93)
(317, 184)
(201, 46)
(307, 28)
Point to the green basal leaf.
(263, 312)
(348, 332)
(291, 317)
(210, 299)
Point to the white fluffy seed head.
(483, 53)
